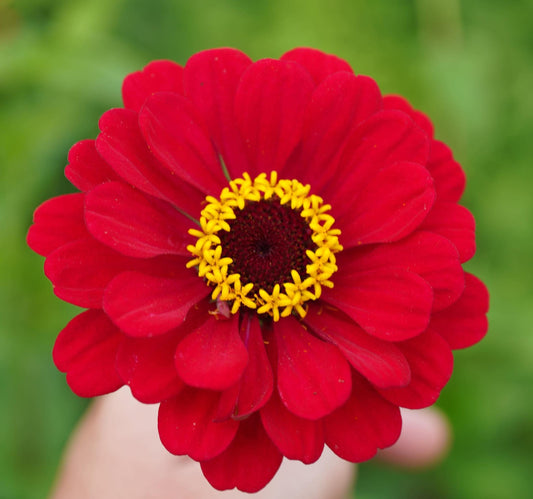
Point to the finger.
(424, 441)
(115, 453)
(329, 478)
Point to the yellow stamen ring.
(286, 297)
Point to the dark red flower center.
(266, 241)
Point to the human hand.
(115, 453)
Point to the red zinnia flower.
(271, 251)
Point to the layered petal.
(249, 463)
(383, 139)
(56, 222)
(366, 422)
(86, 349)
(295, 437)
(456, 223)
(313, 376)
(464, 323)
(431, 361)
(180, 140)
(143, 306)
(429, 255)
(448, 175)
(270, 105)
(213, 356)
(319, 64)
(392, 304)
(81, 270)
(380, 362)
(86, 168)
(340, 103)
(400, 103)
(122, 145)
(390, 206)
(158, 76)
(255, 386)
(147, 366)
(187, 425)
(211, 78)
(133, 223)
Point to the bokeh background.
(468, 64)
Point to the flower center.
(266, 241)
(266, 244)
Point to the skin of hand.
(115, 453)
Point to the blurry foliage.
(467, 64)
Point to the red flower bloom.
(271, 251)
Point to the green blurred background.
(468, 64)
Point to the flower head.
(270, 250)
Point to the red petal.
(122, 145)
(213, 356)
(249, 462)
(211, 79)
(448, 175)
(392, 304)
(455, 223)
(56, 222)
(86, 349)
(364, 424)
(145, 306)
(269, 109)
(317, 63)
(134, 224)
(385, 138)
(465, 322)
(81, 270)
(398, 102)
(429, 255)
(158, 76)
(177, 137)
(147, 366)
(389, 207)
(313, 376)
(187, 427)
(295, 437)
(255, 386)
(381, 362)
(86, 169)
(338, 104)
(431, 362)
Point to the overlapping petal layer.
(56, 222)
(249, 462)
(86, 349)
(122, 145)
(313, 376)
(381, 362)
(157, 229)
(211, 79)
(365, 423)
(143, 306)
(255, 386)
(340, 103)
(270, 104)
(187, 425)
(179, 139)
(158, 76)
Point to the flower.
(271, 251)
